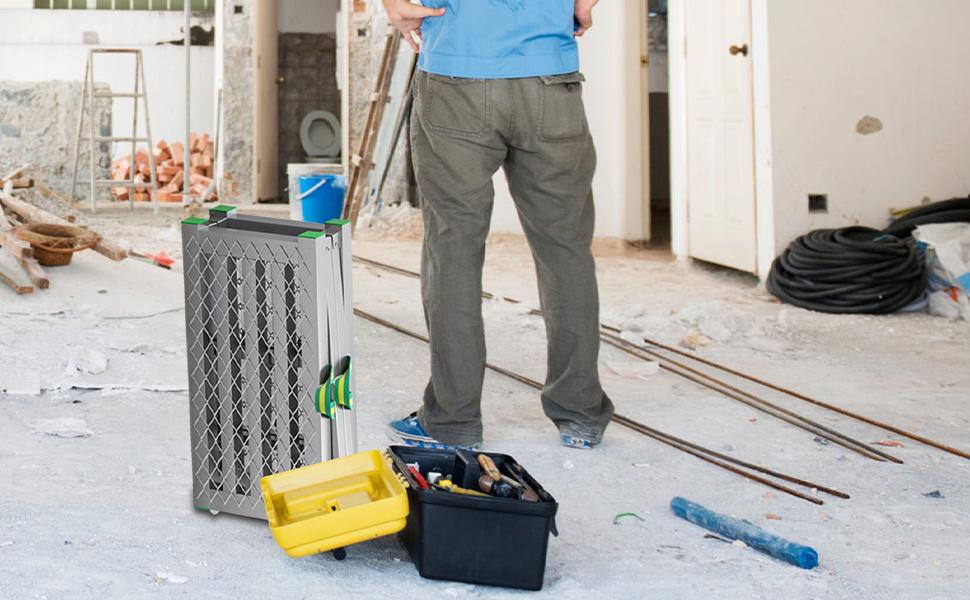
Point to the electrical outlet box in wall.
(818, 203)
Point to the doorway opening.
(298, 120)
(658, 136)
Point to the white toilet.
(320, 136)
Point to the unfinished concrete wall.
(304, 16)
(239, 85)
(45, 45)
(869, 106)
(38, 125)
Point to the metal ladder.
(88, 96)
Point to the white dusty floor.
(94, 450)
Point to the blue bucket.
(322, 197)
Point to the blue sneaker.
(573, 436)
(411, 433)
(409, 428)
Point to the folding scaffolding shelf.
(269, 329)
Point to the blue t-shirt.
(496, 39)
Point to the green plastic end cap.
(312, 234)
(338, 222)
(222, 208)
(194, 221)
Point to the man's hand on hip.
(584, 16)
(407, 17)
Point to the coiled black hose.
(850, 270)
(946, 211)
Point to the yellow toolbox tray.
(336, 503)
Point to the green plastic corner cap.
(312, 234)
(194, 221)
(222, 208)
(338, 222)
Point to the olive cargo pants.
(462, 132)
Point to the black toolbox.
(471, 539)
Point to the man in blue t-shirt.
(498, 86)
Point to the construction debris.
(29, 213)
(169, 162)
(30, 237)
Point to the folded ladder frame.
(268, 326)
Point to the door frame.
(644, 20)
(265, 108)
(677, 44)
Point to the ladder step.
(124, 183)
(116, 139)
(117, 95)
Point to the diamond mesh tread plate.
(256, 345)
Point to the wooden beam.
(20, 182)
(15, 246)
(35, 272)
(53, 195)
(15, 173)
(12, 276)
(23, 252)
(31, 214)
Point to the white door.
(720, 135)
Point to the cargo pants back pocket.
(562, 116)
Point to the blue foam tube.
(736, 529)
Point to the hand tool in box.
(502, 489)
(422, 482)
(448, 486)
(488, 465)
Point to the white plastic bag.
(947, 248)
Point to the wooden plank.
(23, 253)
(52, 194)
(11, 274)
(14, 174)
(16, 246)
(31, 214)
(35, 272)
(21, 182)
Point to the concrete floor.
(94, 451)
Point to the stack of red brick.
(169, 169)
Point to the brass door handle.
(735, 50)
(280, 79)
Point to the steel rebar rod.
(779, 412)
(716, 365)
(735, 393)
(738, 461)
(701, 452)
(820, 403)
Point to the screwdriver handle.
(491, 469)
(488, 465)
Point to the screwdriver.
(449, 486)
(488, 465)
